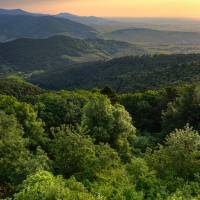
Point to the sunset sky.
(122, 8)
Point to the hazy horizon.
(109, 17)
(112, 8)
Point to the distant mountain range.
(90, 20)
(34, 26)
(18, 23)
(15, 12)
(80, 19)
(142, 35)
(59, 51)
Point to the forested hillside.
(14, 86)
(18, 26)
(98, 145)
(27, 55)
(125, 74)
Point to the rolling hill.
(150, 36)
(125, 74)
(26, 55)
(18, 26)
(18, 88)
(158, 41)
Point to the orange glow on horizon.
(110, 8)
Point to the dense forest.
(97, 144)
(125, 74)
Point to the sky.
(111, 8)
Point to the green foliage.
(26, 116)
(109, 124)
(110, 94)
(83, 136)
(18, 88)
(146, 109)
(43, 185)
(126, 74)
(16, 160)
(179, 156)
(184, 191)
(98, 118)
(56, 109)
(76, 154)
(115, 184)
(145, 179)
(73, 153)
(185, 109)
(36, 55)
(13, 150)
(143, 141)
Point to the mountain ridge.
(18, 11)
(88, 20)
(27, 54)
(18, 26)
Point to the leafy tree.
(146, 109)
(109, 124)
(185, 191)
(179, 156)
(76, 154)
(26, 116)
(110, 94)
(43, 185)
(115, 184)
(144, 141)
(16, 160)
(12, 149)
(185, 109)
(56, 109)
(106, 158)
(98, 119)
(73, 153)
(145, 179)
